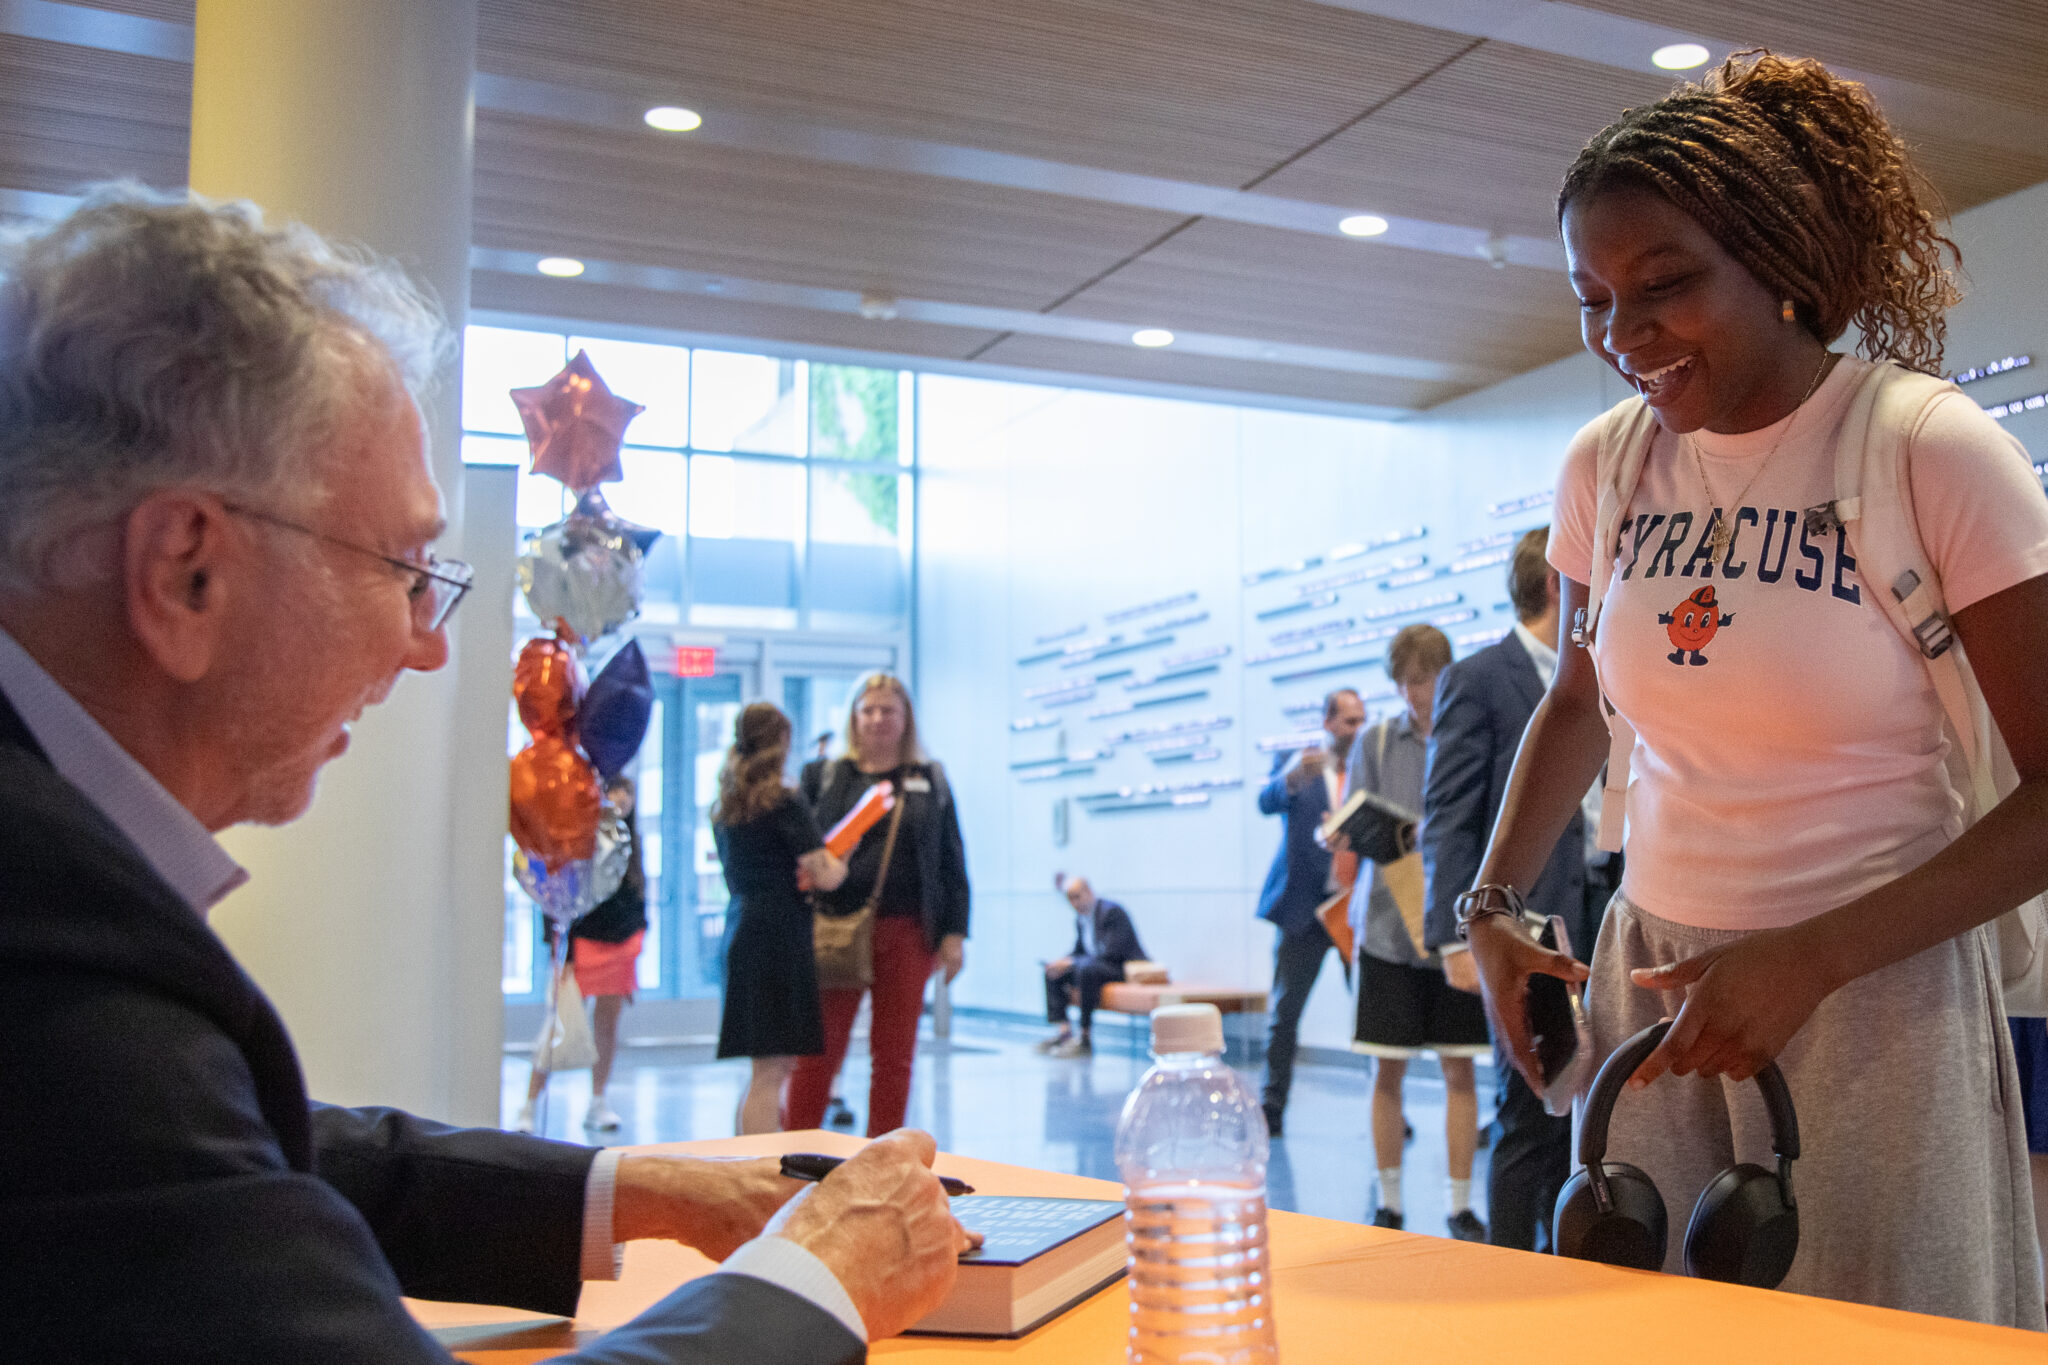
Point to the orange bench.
(1129, 997)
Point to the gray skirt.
(1913, 1184)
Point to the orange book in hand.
(876, 802)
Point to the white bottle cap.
(1186, 1028)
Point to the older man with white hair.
(216, 517)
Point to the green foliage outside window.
(854, 417)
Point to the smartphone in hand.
(1557, 1022)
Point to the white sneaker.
(523, 1121)
(601, 1119)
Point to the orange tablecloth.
(1343, 1292)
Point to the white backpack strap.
(1625, 440)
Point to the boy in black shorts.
(1405, 1007)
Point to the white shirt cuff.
(782, 1262)
(603, 1257)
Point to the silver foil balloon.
(585, 569)
(572, 891)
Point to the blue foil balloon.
(613, 718)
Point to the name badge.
(917, 784)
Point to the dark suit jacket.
(1483, 703)
(166, 1194)
(1301, 868)
(1116, 940)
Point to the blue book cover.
(1018, 1228)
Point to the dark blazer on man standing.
(1301, 867)
(1483, 704)
(166, 1193)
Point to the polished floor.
(985, 1093)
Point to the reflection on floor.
(985, 1093)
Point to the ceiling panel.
(69, 115)
(669, 201)
(709, 315)
(1215, 91)
(1057, 355)
(1322, 291)
(1484, 142)
(1995, 49)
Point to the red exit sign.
(696, 661)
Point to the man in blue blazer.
(1303, 789)
(1483, 703)
(1104, 940)
(215, 514)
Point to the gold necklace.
(1724, 529)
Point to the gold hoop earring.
(1785, 311)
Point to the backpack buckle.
(1823, 519)
(1932, 633)
(1582, 632)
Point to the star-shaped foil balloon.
(574, 425)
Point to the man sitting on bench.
(1103, 941)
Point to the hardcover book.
(1039, 1258)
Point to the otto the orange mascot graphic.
(1692, 626)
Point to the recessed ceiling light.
(671, 119)
(1680, 57)
(1362, 225)
(562, 267)
(1152, 336)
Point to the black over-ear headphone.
(1745, 1227)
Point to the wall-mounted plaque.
(1206, 784)
(1144, 703)
(1193, 618)
(1483, 560)
(1146, 609)
(1056, 636)
(1023, 723)
(1189, 756)
(1171, 675)
(1364, 575)
(1409, 608)
(1270, 656)
(2031, 403)
(1341, 666)
(1055, 689)
(1054, 774)
(1328, 599)
(1106, 651)
(1528, 502)
(2005, 366)
(1489, 542)
(1184, 800)
(1288, 743)
(1163, 731)
(1479, 639)
(1412, 577)
(1330, 627)
(1085, 692)
(1252, 580)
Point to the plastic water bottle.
(1192, 1149)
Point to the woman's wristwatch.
(1492, 898)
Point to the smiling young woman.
(1798, 883)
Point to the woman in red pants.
(920, 914)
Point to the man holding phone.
(1483, 703)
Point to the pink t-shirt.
(1789, 751)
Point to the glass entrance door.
(692, 896)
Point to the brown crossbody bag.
(845, 944)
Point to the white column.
(374, 922)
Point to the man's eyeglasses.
(437, 585)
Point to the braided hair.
(1798, 176)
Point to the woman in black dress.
(766, 833)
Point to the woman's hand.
(1742, 1005)
(1507, 958)
(952, 955)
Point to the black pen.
(816, 1166)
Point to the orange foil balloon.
(547, 683)
(574, 425)
(555, 799)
